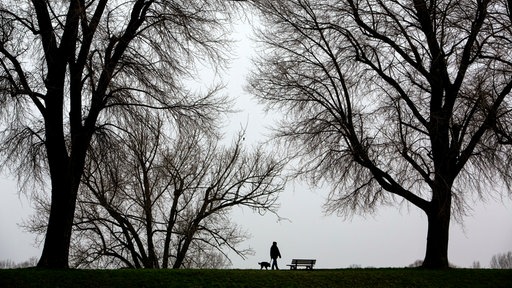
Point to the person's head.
(274, 243)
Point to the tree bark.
(436, 255)
(63, 192)
(65, 169)
(182, 252)
(170, 226)
(58, 234)
(65, 173)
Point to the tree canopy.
(393, 101)
(72, 69)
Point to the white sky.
(391, 238)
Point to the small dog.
(264, 264)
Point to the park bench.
(308, 263)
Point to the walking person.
(274, 253)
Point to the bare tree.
(502, 261)
(66, 67)
(393, 102)
(149, 202)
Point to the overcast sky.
(394, 237)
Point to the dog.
(265, 265)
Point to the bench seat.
(308, 263)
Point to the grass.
(255, 278)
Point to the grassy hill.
(255, 278)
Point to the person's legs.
(274, 263)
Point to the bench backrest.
(303, 261)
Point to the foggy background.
(393, 237)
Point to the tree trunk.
(183, 248)
(152, 260)
(170, 226)
(65, 175)
(58, 234)
(182, 252)
(63, 193)
(436, 256)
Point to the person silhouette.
(274, 253)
